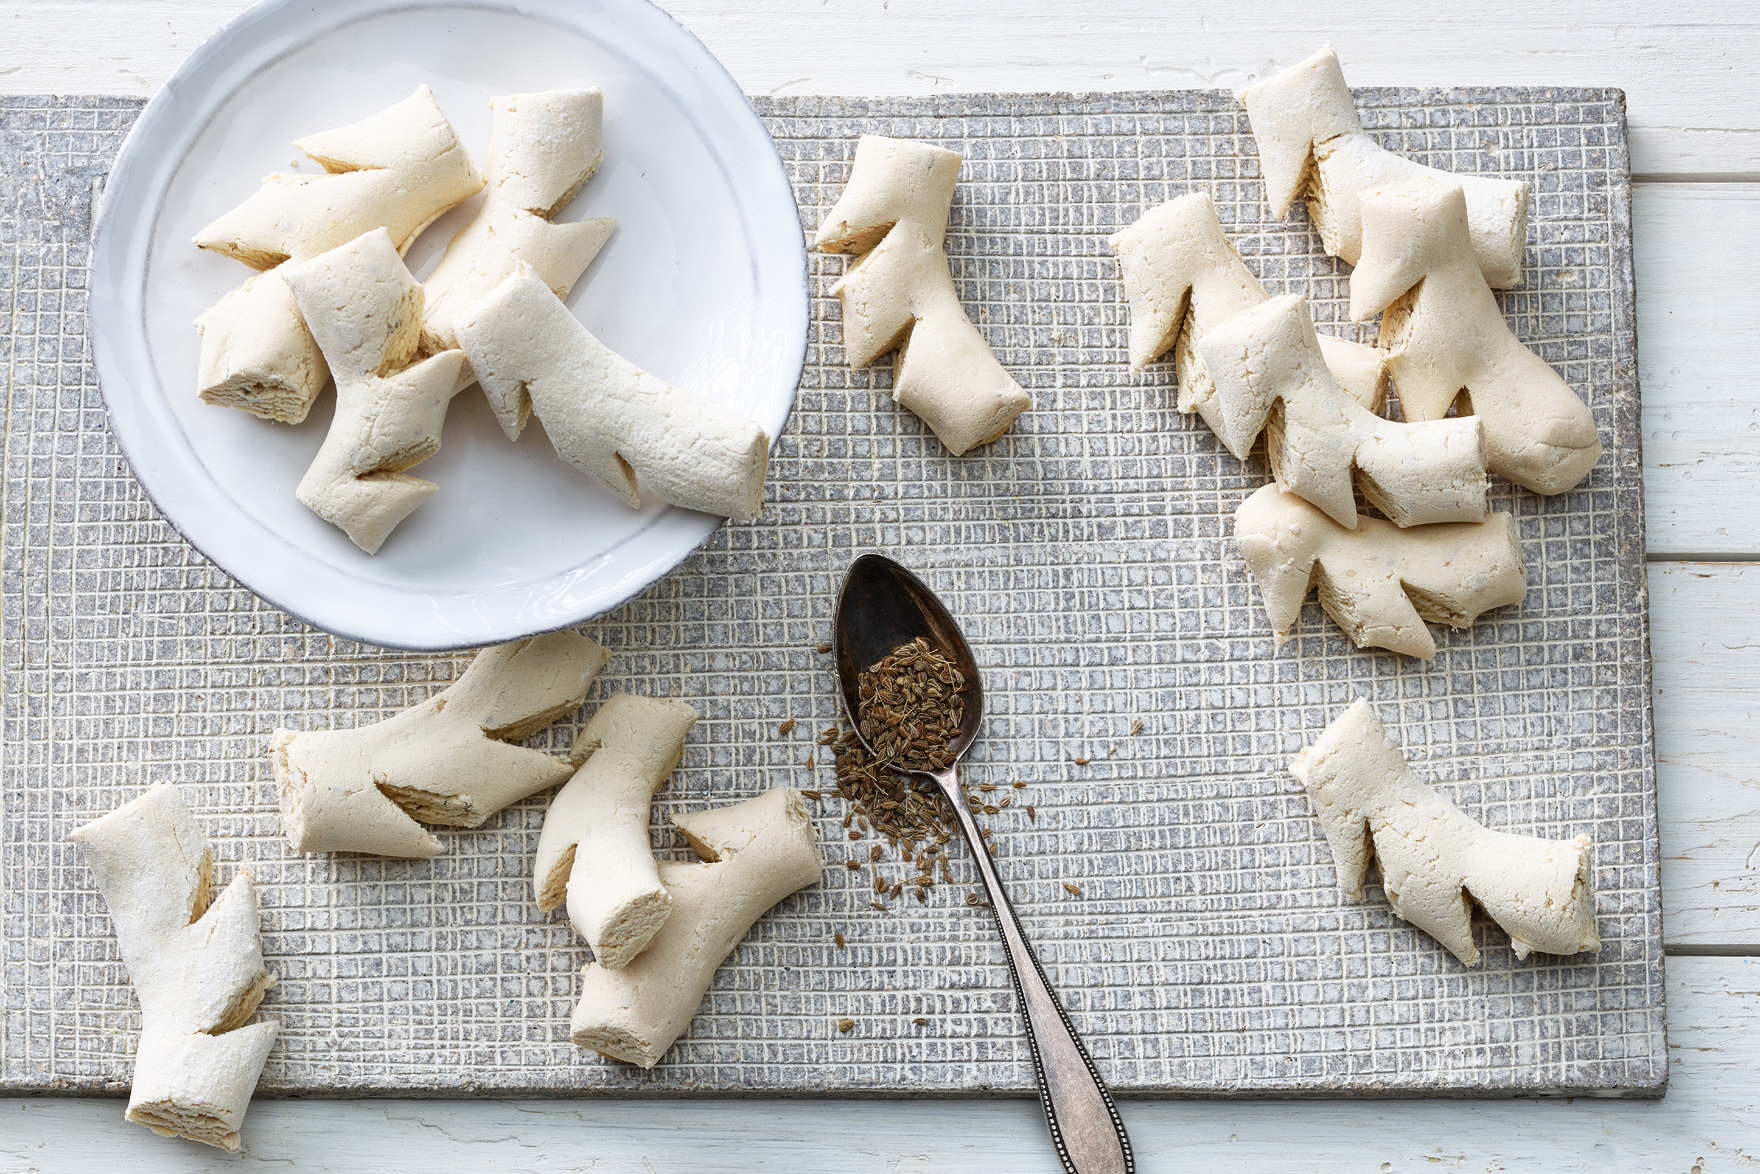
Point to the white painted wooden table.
(1695, 134)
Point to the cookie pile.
(334, 298)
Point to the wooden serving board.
(1086, 553)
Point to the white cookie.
(756, 853)
(1380, 583)
(196, 967)
(446, 761)
(1436, 861)
(606, 416)
(593, 852)
(1311, 144)
(398, 170)
(900, 294)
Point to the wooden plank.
(1692, 111)
(1698, 280)
(1709, 1123)
(1705, 647)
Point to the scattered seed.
(1031, 814)
(812, 794)
(910, 706)
(1081, 762)
(986, 787)
(838, 938)
(846, 1025)
(786, 727)
(920, 1021)
(877, 905)
(985, 833)
(991, 809)
(1136, 727)
(1005, 801)
(1075, 890)
(853, 865)
(824, 648)
(1019, 786)
(810, 764)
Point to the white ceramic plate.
(703, 284)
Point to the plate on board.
(703, 283)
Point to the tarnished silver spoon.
(881, 607)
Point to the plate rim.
(123, 288)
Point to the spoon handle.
(1084, 1122)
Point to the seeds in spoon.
(910, 705)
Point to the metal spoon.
(881, 607)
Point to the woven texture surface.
(1086, 554)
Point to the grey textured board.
(1086, 552)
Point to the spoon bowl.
(882, 605)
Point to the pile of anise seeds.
(911, 707)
